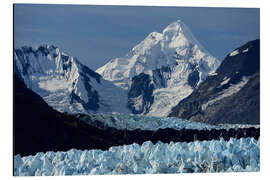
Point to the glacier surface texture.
(242, 155)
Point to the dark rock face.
(241, 107)
(93, 96)
(89, 72)
(39, 128)
(193, 78)
(35, 124)
(86, 73)
(160, 76)
(93, 100)
(140, 94)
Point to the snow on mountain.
(171, 63)
(242, 155)
(66, 84)
(233, 89)
(231, 95)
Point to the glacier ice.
(242, 155)
(143, 122)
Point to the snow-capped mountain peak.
(46, 60)
(65, 83)
(171, 64)
(177, 34)
(151, 40)
(152, 78)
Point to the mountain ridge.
(65, 83)
(231, 94)
(170, 62)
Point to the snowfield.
(241, 155)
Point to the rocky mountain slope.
(161, 70)
(66, 84)
(40, 128)
(231, 94)
(153, 77)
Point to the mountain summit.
(178, 34)
(151, 79)
(66, 84)
(161, 70)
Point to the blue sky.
(97, 34)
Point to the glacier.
(131, 122)
(144, 122)
(235, 155)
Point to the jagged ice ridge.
(241, 155)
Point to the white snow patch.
(242, 155)
(235, 126)
(224, 82)
(213, 74)
(234, 53)
(166, 98)
(246, 50)
(111, 97)
(53, 84)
